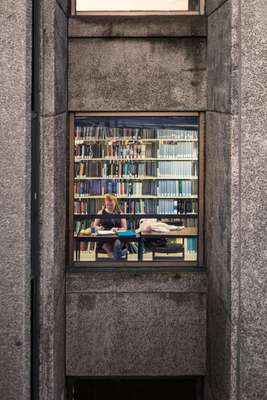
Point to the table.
(140, 237)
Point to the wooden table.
(179, 233)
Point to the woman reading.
(109, 219)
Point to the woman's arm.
(123, 223)
(97, 221)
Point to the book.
(128, 233)
(105, 233)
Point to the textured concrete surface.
(135, 334)
(237, 321)
(53, 136)
(15, 198)
(136, 323)
(178, 26)
(219, 351)
(219, 59)
(212, 5)
(134, 74)
(64, 4)
(53, 59)
(253, 280)
(121, 282)
(218, 204)
(221, 196)
(52, 236)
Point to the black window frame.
(138, 265)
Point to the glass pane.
(135, 188)
(136, 5)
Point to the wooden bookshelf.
(169, 193)
(125, 140)
(77, 159)
(137, 196)
(136, 178)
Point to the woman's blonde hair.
(112, 197)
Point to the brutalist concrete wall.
(136, 324)
(145, 64)
(15, 161)
(236, 211)
(143, 324)
(53, 150)
(221, 151)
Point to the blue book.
(128, 233)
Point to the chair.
(100, 250)
(168, 249)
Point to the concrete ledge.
(121, 282)
(114, 26)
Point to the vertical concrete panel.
(218, 204)
(53, 147)
(52, 225)
(221, 146)
(219, 59)
(253, 281)
(53, 57)
(125, 324)
(243, 319)
(15, 199)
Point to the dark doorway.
(135, 389)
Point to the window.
(136, 189)
(85, 7)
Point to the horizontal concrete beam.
(114, 26)
(137, 74)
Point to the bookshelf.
(154, 165)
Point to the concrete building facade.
(58, 323)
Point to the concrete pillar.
(236, 209)
(15, 161)
(53, 194)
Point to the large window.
(84, 7)
(136, 189)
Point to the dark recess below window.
(136, 389)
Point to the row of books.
(105, 132)
(102, 132)
(176, 188)
(130, 169)
(179, 150)
(190, 245)
(136, 188)
(132, 151)
(115, 169)
(178, 168)
(140, 206)
(137, 151)
(178, 134)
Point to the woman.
(111, 221)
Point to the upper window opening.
(85, 7)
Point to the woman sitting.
(111, 220)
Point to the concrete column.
(236, 209)
(53, 150)
(15, 161)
